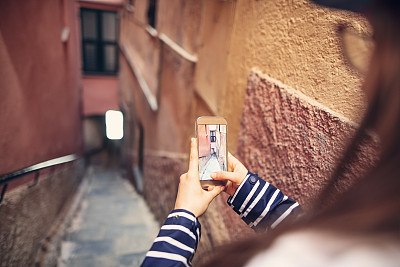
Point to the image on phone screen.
(212, 149)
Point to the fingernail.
(193, 139)
(223, 188)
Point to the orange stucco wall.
(296, 43)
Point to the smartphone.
(211, 134)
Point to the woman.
(361, 226)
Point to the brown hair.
(372, 204)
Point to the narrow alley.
(100, 99)
(112, 225)
(208, 165)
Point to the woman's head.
(354, 5)
(383, 80)
(373, 203)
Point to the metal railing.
(6, 178)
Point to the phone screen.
(212, 149)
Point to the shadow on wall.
(132, 152)
(98, 149)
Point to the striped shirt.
(261, 205)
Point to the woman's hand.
(235, 174)
(191, 196)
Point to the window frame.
(213, 136)
(100, 43)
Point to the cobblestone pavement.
(112, 227)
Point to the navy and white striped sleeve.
(176, 242)
(261, 205)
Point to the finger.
(210, 188)
(231, 176)
(182, 177)
(227, 185)
(232, 161)
(194, 159)
(215, 192)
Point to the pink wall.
(297, 145)
(100, 93)
(102, 4)
(40, 83)
(204, 140)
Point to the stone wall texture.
(294, 142)
(161, 175)
(28, 213)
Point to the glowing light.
(114, 125)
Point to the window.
(213, 137)
(99, 41)
(151, 13)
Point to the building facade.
(40, 95)
(99, 34)
(57, 79)
(274, 69)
